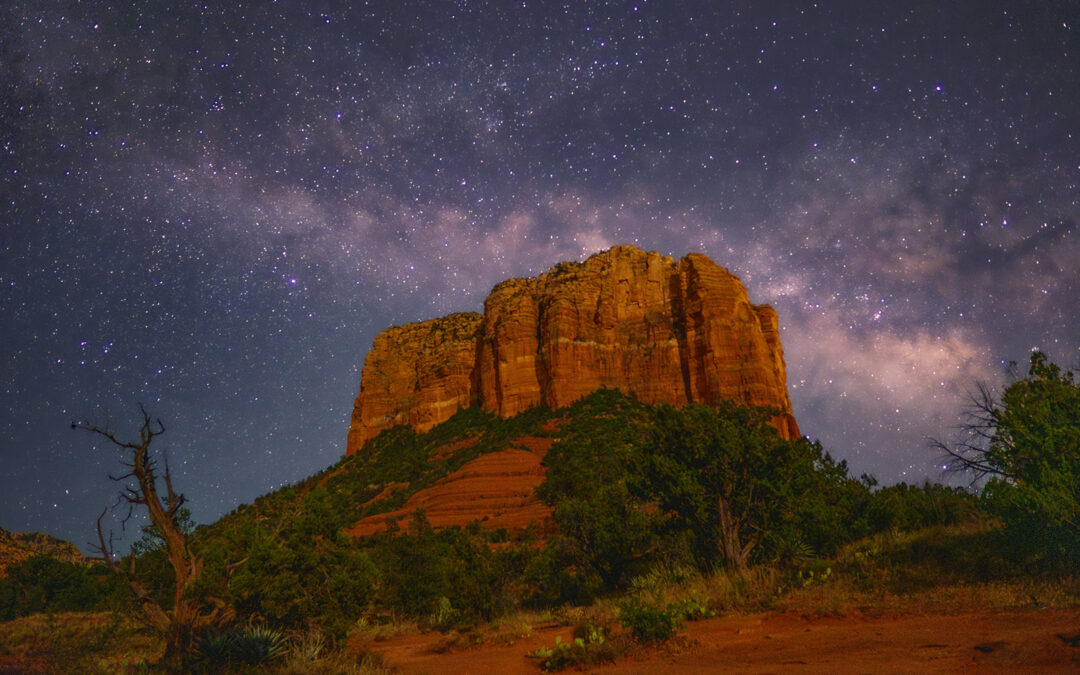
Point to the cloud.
(914, 220)
(899, 387)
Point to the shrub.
(1027, 443)
(588, 648)
(42, 583)
(444, 617)
(253, 646)
(649, 622)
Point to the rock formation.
(419, 375)
(16, 547)
(664, 331)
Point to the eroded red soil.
(444, 451)
(496, 489)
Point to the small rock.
(988, 647)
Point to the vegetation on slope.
(632, 487)
(1027, 445)
(649, 502)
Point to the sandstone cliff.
(664, 331)
(419, 375)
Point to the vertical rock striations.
(625, 319)
(419, 375)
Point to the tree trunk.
(187, 617)
(731, 548)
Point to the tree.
(606, 536)
(726, 477)
(41, 583)
(141, 489)
(1026, 446)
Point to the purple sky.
(213, 211)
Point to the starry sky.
(213, 209)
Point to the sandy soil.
(999, 642)
(497, 489)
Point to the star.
(213, 210)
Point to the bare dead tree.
(979, 434)
(141, 489)
(1003, 435)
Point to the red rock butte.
(661, 330)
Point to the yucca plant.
(790, 548)
(255, 645)
(259, 644)
(215, 647)
(308, 646)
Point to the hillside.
(650, 517)
(402, 470)
(16, 547)
(547, 507)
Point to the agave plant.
(308, 646)
(215, 647)
(791, 548)
(254, 645)
(259, 644)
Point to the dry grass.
(364, 631)
(102, 642)
(83, 642)
(730, 592)
(511, 629)
(723, 592)
(335, 663)
(938, 570)
(841, 597)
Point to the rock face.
(419, 375)
(16, 547)
(664, 331)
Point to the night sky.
(213, 210)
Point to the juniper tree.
(142, 484)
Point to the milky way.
(212, 210)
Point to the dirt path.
(1000, 642)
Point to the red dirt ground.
(444, 451)
(496, 489)
(990, 642)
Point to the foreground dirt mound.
(1000, 642)
(496, 489)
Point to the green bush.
(647, 621)
(42, 583)
(725, 477)
(906, 507)
(589, 647)
(444, 617)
